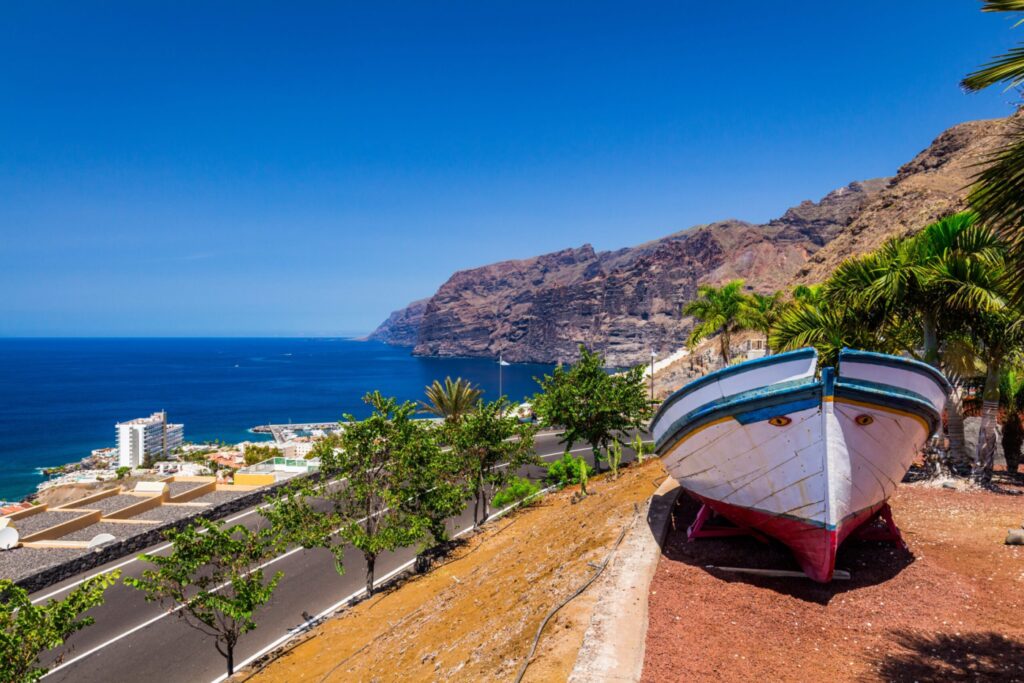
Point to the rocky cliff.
(628, 302)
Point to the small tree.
(122, 471)
(590, 405)
(28, 630)
(212, 577)
(437, 488)
(375, 508)
(492, 445)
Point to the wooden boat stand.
(696, 529)
(886, 531)
(869, 531)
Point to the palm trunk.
(930, 333)
(725, 344)
(984, 457)
(955, 423)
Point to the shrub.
(566, 471)
(518, 488)
(122, 471)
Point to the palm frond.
(450, 400)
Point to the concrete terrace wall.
(57, 530)
(145, 503)
(116, 551)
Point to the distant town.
(155, 446)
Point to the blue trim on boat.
(884, 388)
(874, 358)
(746, 408)
(732, 370)
(828, 381)
(891, 399)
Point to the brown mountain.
(628, 302)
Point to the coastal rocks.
(629, 302)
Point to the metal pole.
(652, 376)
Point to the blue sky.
(303, 168)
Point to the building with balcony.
(147, 438)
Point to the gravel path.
(113, 503)
(21, 562)
(42, 520)
(119, 531)
(171, 513)
(219, 497)
(179, 487)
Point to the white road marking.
(269, 562)
(315, 621)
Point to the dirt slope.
(474, 617)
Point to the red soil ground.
(949, 609)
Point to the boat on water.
(804, 457)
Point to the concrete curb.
(613, 646)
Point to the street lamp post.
(652, 375)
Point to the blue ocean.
(60, 398)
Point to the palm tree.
(718, 310)
(451, 400)
(761, 312)
(998, 192)
(829, 328)
(807, 294)
(1011, 392)
(937, 280)
(1000, 335)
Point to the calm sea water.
(60, 398)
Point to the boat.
(806, 458)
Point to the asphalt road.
(134, 640)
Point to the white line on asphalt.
(135, 558)
(324, 613)
(269, 562)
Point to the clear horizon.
(206, 172)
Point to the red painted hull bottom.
(814, 547)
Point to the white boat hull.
(805, 461)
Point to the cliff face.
(932, 185)
(628, 302)
(402, 328)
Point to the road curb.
(613, 646)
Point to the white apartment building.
(147, 437)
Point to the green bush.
(122, 471)
(566, 472)
(518, 488)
